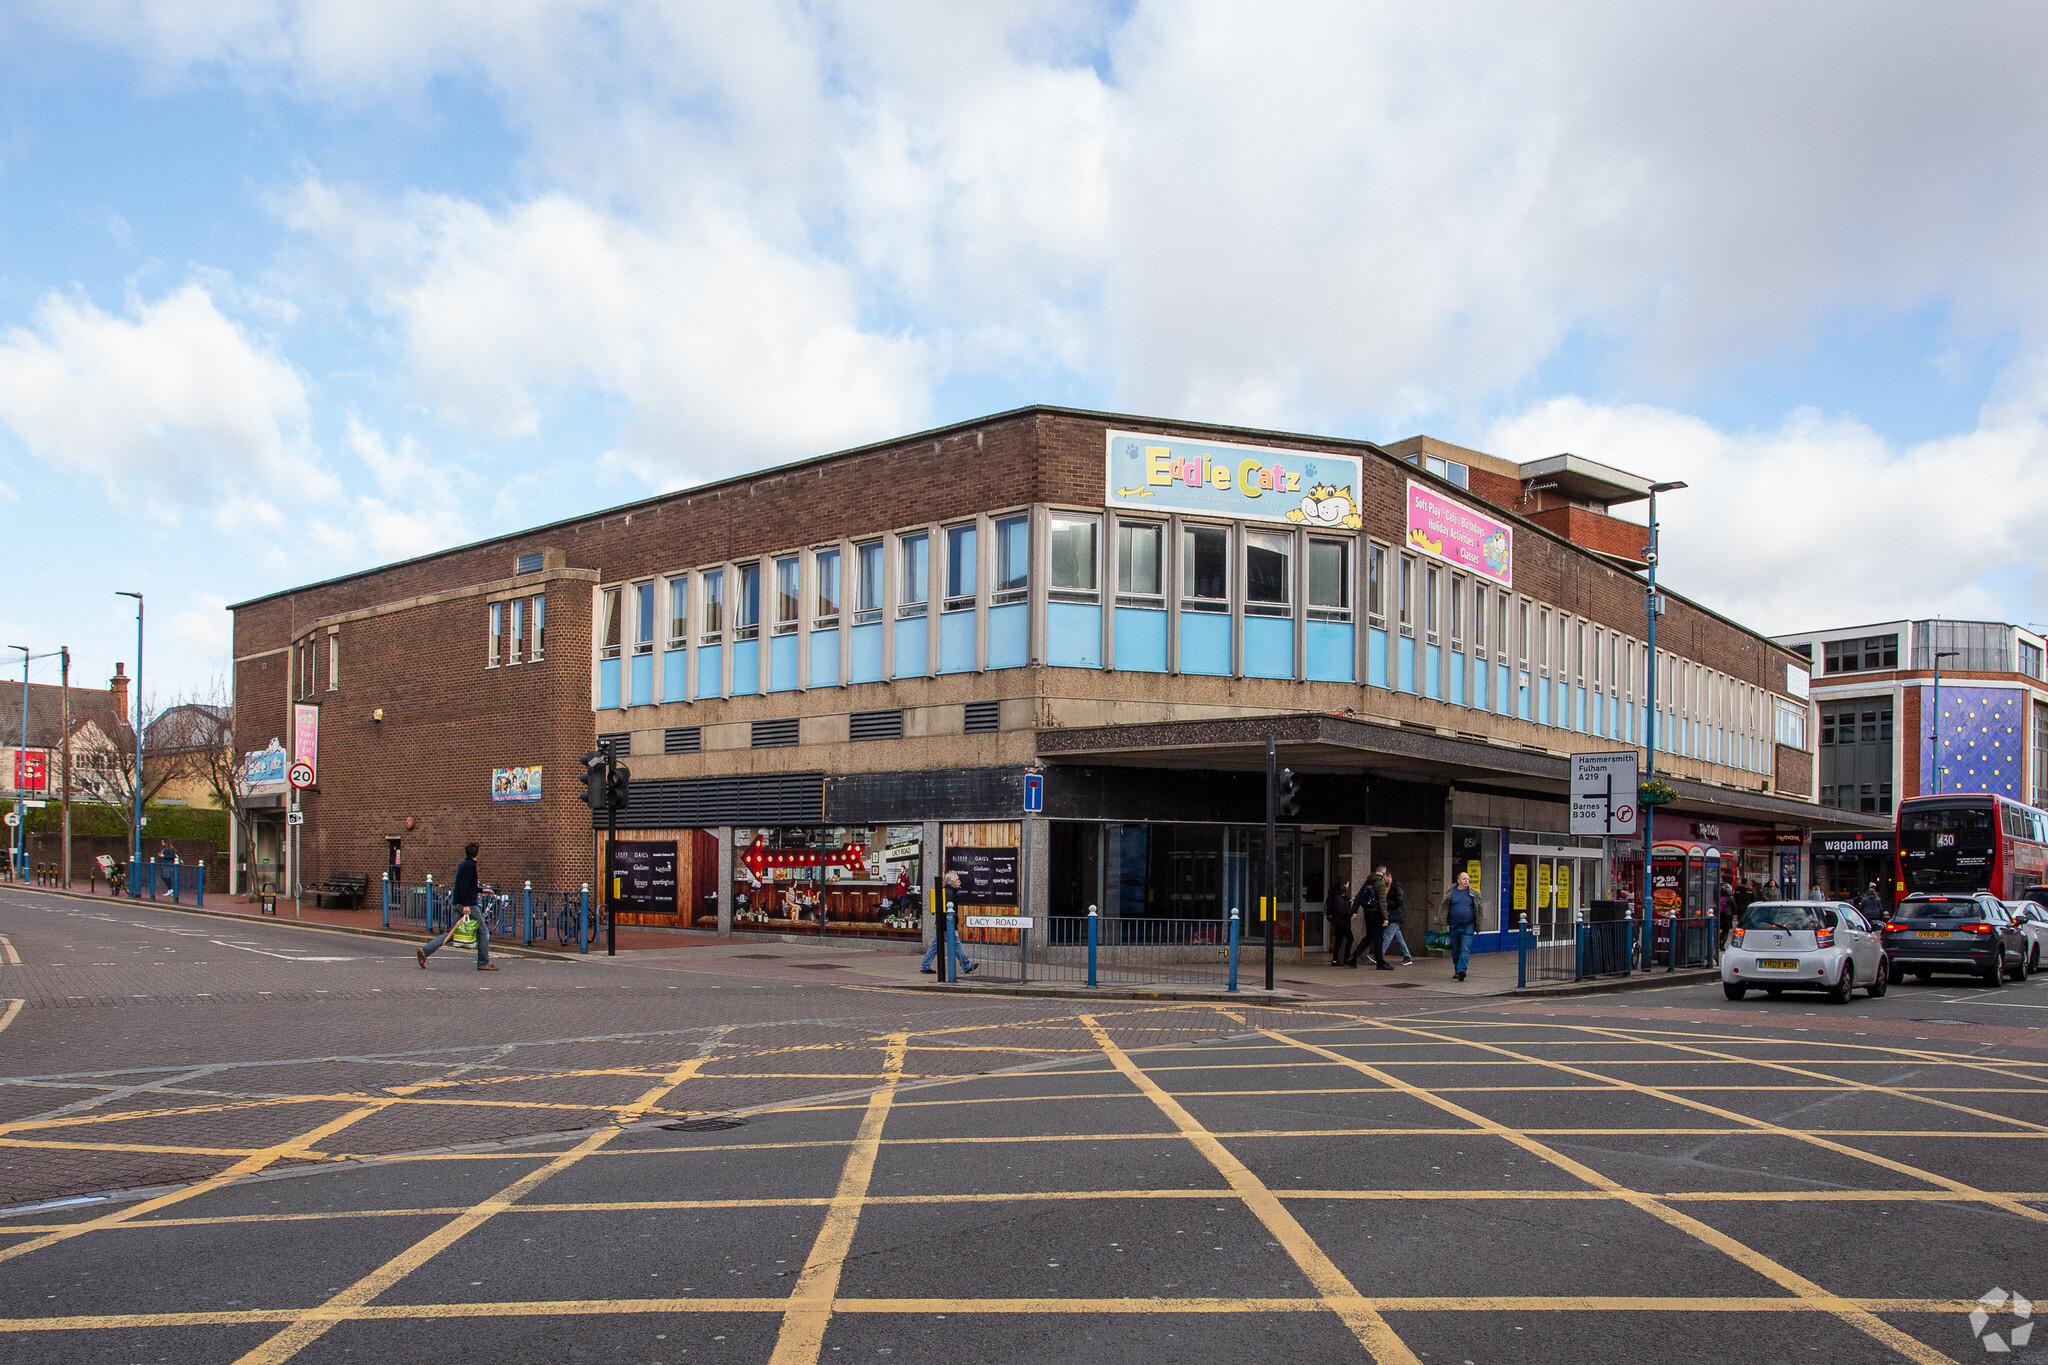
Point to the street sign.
(1603, 796)
(35, 805)
(1034, 793)
(998, 921)
(12, 819)
(31, 770)
(296, 817)
(301, 777)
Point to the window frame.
(334, 661)
(1376, 585)
(711, 605)
(1091, 592)
(611, 624)
(789, 606)
(827, 565)
(1459, 584)
(1340, 610)
(1268, 542)
(643, 618)
(678, 600)
(1189, 531)
(515, 633)
(1129, 530)
(746, 614)
(1000, 534)
(963, 545)
(540, 626)
(871, 569)
(1404, 594)
(1432, 602)
(913, 545)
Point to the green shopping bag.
(464, 933)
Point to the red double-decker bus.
(1971, 841)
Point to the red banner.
(31, 770)
(760, 858)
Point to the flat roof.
(1576, 476)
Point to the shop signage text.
(263, 771)
(1453, 532)
(31, 770)
(644, 872)
(988, 876)
(1603, 794)
(306, 736)
(1245, 483)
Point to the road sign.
(35, 805)
(1034, 793)
(296, 817)
(12, 819)
(301, 777)
(1604, 793)
(998, 921)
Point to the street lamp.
(1939, 655)
(135, 858)
(20, 808)
(1653, 607)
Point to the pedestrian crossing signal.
(1290, 792)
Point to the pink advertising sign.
(1454, 532)
(306, 735)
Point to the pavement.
(267, 1143)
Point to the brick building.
(832, 679)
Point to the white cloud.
(201, 636)
(173, 407)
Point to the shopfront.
(858, 881)
(1197, 872)
(1845, 862)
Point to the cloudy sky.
(290, 289)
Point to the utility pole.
(64, 758)
(20, 841)
(1269, 902)
(1653, 607)
(1939, 655)
(135, 858)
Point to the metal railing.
(565, 918)
(1092, 950)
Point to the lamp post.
(20, 840)
(135, 858)
(1653, 607)
(1939, 655)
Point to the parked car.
(2033, 922)
(1803, 945)
(1974, 934)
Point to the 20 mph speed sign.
(301, 775)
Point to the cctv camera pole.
(1269, 903)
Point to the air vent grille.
(984, 717)
(775, 734)
(875, 725)
(683, 739)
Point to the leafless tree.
(204, 730)
(103, 768)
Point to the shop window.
(812, 879)
(1457, 611)
(1138, 570)
(788, 604)
(517, 608)
(714, 605)
(1329, 580)
(1013, 560)
(867, 605)
(1268, 560)
(1376, 585)
(614, 604)
(643, 618)
(825, 565)
(1404, 594)
(1074, 575)
(746, 612)
(914, 584)
(960, 568)
(1204, 568)
(540, 628)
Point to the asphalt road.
(231, 1142)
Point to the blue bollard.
(1233, 950)
(387, 899)
(199, 891)
(1521, 951)
(528, 916)
(1628, 959)
(177, 883)
(1093, 921)
(953, 941)
(583, 922)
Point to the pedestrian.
(1393, 902)
(1868, 905)
(961, 965)
(166, 859)
(1337, 912)
(1461, 916)
(1726, 909)
(1373, 917)
(468, 926)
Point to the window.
(2030, 659)
(1500, 638)
(497, 644)
(913, 590)
(960, 568)
(714, 604)
(1543, 642)
(517, 606)
(1522, 635)
(1432, 585)
(1073, 557)
(1599, 644)
(1791, 729)
(643, 618)
(826, 567)
(1137, 562)
(746, 617)
(788, 604)
(1478, 622)
(540, 628)
(1268, 557)
(1860, 655)
(1376, 585)
(1013, 560)
(679, 611)
(1204, 568)
(334, 659)
(868, 604)
(1404, 594)
(1457, 611)
(1579, 655)
(1329, 580)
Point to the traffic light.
(621, 785)
(593, 787)
(1290, 792)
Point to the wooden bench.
(346, 890)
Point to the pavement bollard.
(1233, 950)
(1093, 921)
(583, 922)
(953, 939)
(1521, 951)
(199, 891)
(529, 912)
(1628, 959)
(1579, 966)
(430, 903)
(387, 900)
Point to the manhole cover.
(757, 957)
(715, 1124)
(821, 966)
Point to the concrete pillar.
(1036, 870)
(725, 881)
(932, 866)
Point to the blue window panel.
(1523, 689)
(607, 684)
(1432, 671)
(912, 647)
(1141, 640)
(1009, 636)
(867, 654)
(956, 642)
(710, 670)
(824, 658)
(1332, 652)
(1504, 690)
(1375, 656)
(746, 667)
(1268, 647)
(1205, 643)
(1579, 697)
(1457, 693)
(1407, 655)
(1599, 716)
(1073, 635)
(643, 679)
(782, 664)
(1482, 684)
(675, 675)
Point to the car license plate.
(1779, 964)
(1932, 933)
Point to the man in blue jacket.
(1461, 916)
(463, 898)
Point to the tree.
(103, 766)
(205, 734)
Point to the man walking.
(467, 922)
(961, 965)
(1461, 915)
(1370, 905)
(1337, 915)
(1393, 901)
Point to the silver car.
(1803, 946)
(2033, 922)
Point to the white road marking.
(285, 956)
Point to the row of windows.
(307, 665)
(1856, 724)
(1861, 655)
(518, 631)
(1871, 798)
